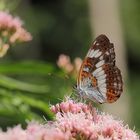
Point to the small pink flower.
(3, 50)
(17, 133)
(63, 60)
(11, 32)
(37, 131)
(71, 106)
(9, 22)
(65, 63)
(20, 35)
(77, 63)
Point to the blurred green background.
(30, 79)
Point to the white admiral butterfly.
(99, 78)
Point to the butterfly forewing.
(99, 79)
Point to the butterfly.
(99, 78)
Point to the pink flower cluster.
(64, 62)
(85, 122)
(11, 31)
(73, 121)
(34, 131)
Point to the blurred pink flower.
(11, 32)
(7, 21)
(16, 133)
(65, 63)
(77, 63)
(34, 131)
(20, 35)
(3, 49)
(72, 106)
(37, 131)
(73, 121)
(63, 60)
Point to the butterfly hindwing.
(99, 78)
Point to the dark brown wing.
(99, 66)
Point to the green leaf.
(11, 83)
(26, 67)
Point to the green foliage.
(30, 96)
(131, 22)
(5, 4)
(134, 88)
